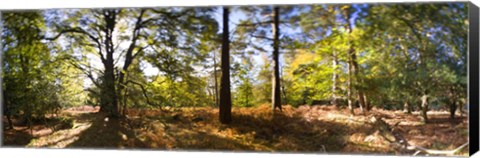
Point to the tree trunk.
(109, 99)
(6, 110)
(361, 101)
(276, 98)
(225, 96)
(424, 108)
(215, 78)
(283, 87)
(453, 109)
(129, 57)
(349, 89)
(352, 65)
(124, 110)
(360, 95)
(460, 107)
(367, 103)
(7, 113)
(406, 108)
(352, 76)
(9, 119)
(109, 92)
(452, 101)
(334, 80)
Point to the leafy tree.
(244, 96)
(263, 87)
(102, 32)
(35, 82)
(423, 52)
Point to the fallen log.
(436, 152)
(400, 141)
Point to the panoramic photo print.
(374, 78)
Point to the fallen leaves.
(302, 129)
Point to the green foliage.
(262, 90)
(244, 92)
(402, 51)
(36, 83)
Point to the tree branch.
(144, 91)
(412, 28)
(81, 31)
(255, 24)
(88, 73)
(261, 37)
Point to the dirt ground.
(306, 129)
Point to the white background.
(84, 153)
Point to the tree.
(353, 68)
(315, 24)
(276, 96)
(263, 25)
(244, 91)
(96, 30)
(33, 76)
(115, 35)
(263, 88)
(426, 58)
(335, 39)
(225, 96)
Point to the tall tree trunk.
(346, 15)
(334, 79)
(129, 56)
(358, 80)
(349, 88)
(3, 98)
(424, 108)
(276, 98)
(215, 78)
(110, 97)
(353, 60)
(225, 96)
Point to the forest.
(320, 78)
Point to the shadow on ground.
(104, 133)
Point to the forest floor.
(316, 129)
